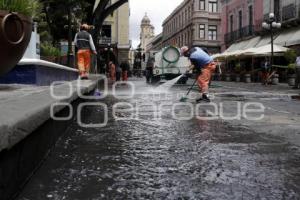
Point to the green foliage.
(43, 28)
(26, 7)
(48, 49)
(290, 56)
(292, 68)
(55, 17)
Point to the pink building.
(241, 19)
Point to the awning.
(257, 51)
(266, 50)
(295, 39)
(263, 41)
(253, 42)
(238, 46)
(283, 38)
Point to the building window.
(201, 4)
(202, 31)
(179, 20)
(231, 23)
(213, 6)
(250, 15)
(240, 24)
(212, 32)
(240, 20)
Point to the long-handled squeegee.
(97, 92)
(183, 99)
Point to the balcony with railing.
(239, 34)
(289, 12)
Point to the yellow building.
(115, 34)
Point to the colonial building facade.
(285, 11)
(115, 35)
(241, 19)
(155, 44)
(242, 23)
(194, 23)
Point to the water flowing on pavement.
(150, 157)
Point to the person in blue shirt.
(203, 63)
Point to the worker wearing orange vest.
(84, 42)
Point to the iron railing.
(239, 34)
(288, 12)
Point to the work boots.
(205, 98)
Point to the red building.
(241, 19)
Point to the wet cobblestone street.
(165, 158)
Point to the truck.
(169, 64)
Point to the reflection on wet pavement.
(164, 158)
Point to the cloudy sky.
(157, 11)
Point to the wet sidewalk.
(146, 158)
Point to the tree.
(64, 16)
(103, 9)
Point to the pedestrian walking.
(149, 69)
(265, 72)
(112, 71)
(204, 65)
(118, 72)
(84, 42)
(125, 68)
(297, 86)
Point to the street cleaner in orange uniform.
(204, 64)
(84, 42)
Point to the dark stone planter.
(227, 77)
(237, 78)
(15, 34)
(247, 78)
(292, 79)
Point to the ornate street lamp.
(270, 25)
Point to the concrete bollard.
(247, 78)
(237, 78)
(292, 80)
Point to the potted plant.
(247, 77)
(237, 71)
(291, 56)
(15, 30)
(291, 74)
(49, 52)
(228, 77)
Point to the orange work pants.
(112, 72)
(205, 77)
(84, 62)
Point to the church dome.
(146, 19)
